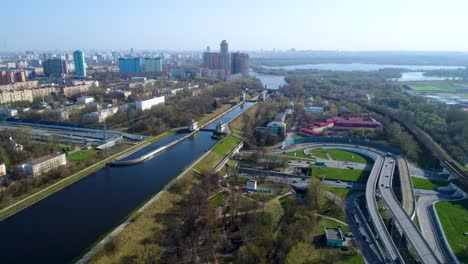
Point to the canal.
(64, 225)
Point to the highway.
(430, 231)
(391, 250)
(421, 247)
(409, 203)
(380, 179)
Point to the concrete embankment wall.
(150, 154)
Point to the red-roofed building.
(341, 123)
(320, 128)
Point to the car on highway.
(382, 185)
(338, 181)
(386, 186)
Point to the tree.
(300, 253)
(314, 193)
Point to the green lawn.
(433, 88)
(341, 155)
(81, 155)
(344, 155)
(340, 174)
(454, 219)
(320, 153)
(226, 145)
(218, 200)
(299, 154)
(426, 184)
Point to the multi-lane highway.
(380, 184)
(421, 247)
(391, 251)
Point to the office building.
(44, 164)
(80, 64)
(152, 65)
(130, 65)
(54, 67)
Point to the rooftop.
(333, 233)
(46, 157)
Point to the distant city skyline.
(360, 25)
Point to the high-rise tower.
(80, 64)
(224, 47)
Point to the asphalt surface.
(429, 229)
(421, 247)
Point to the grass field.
(431, 88)
(454, 219)
(426, 184)
(340, 174)
(81, 155)
(341, 155)
(298, 154)
(226, 145)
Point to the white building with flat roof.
(147, 104)
(44, 164)
(2, 169)
(85, 99)
(252, 185)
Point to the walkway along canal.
(62, 226)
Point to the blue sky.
(246, 24)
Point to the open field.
(81, 155)
(341, 155)
(454, 219)
(426, 184)
(340, 174)
(431, 88)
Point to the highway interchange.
(375, 240)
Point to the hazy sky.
(246, 24)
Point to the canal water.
(65, 224)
